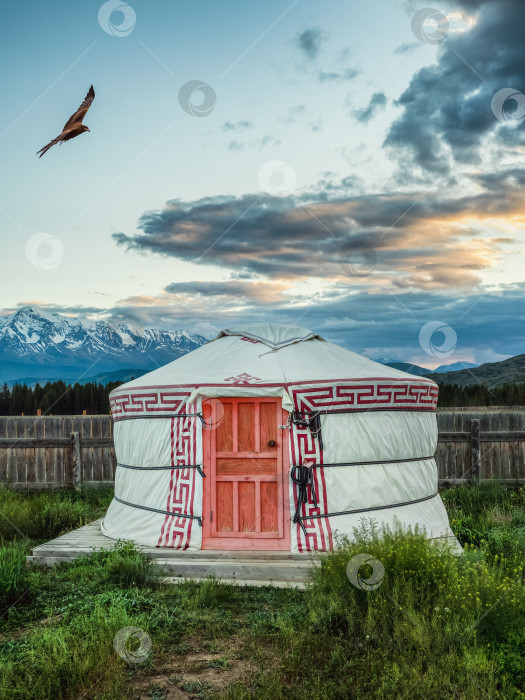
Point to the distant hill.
(407, 367)
(491, 374)
(119, 375)
(455, 366)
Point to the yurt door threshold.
(246, 464)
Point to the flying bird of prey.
(74, 126)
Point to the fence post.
(475, 451)
(76, 461)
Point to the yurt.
(268, 437)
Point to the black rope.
(162, 512)
(367, 408)
(198, 467)
(379, 461)
(363, 510)
(173, 415)
(300, 419)
(302, 476)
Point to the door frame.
(247, 541)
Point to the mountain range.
(36, 346)
(39, 347)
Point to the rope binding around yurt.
(302, 477)
(311, 420)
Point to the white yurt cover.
(375, 459)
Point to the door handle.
(271, 443)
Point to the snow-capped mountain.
(35, 344)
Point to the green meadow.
(436, 625)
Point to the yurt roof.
(266, 354)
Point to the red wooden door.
(245, 492)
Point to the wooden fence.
(56, 451)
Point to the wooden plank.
(4, 472)
(76, 461)
(224, 506)
(246, 506)
(225, 429)
(475, 451)
(241, 467)
(245, 426)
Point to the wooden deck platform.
(260, 568)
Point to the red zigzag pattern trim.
(372, 395)
(152, 401)
(176, 532)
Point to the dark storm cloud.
(309, 42)
(377, 100)
(447, 106)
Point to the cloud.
(420, 240)
(237, 126)
(376, 325)
(407, 48)
(309, 42)
(237, 291)
(338, 75)
(377, 100)
(447, 115)
(295, 112)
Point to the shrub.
(125, 566)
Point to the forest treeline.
(479, 395)
(61, 399)
(56, 398)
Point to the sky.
(353, 168)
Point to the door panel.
(237, 467)
(245, 489)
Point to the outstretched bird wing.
(82, 110)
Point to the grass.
(436, 626)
